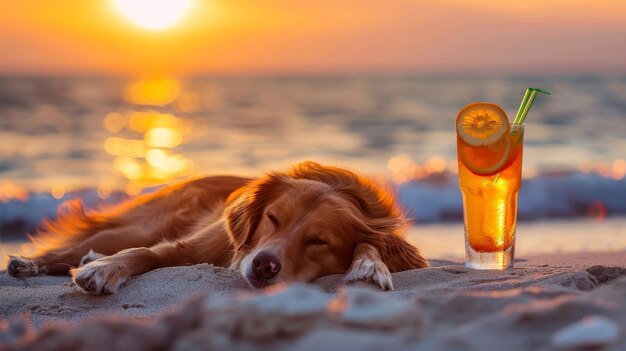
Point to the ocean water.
(99, 137)
(51, 129)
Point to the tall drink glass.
(490, 179)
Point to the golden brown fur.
(297, 225)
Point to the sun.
(153, 14)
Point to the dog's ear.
(244, 207)
(238, 216)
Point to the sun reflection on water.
(145, 140)
(153, 92)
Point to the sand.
(445, 307)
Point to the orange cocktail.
(490, 166)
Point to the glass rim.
(501, 124)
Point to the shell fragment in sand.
(590, 332)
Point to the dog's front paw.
(90, 257)
(22, 267)
(100, 277)
(367, 269)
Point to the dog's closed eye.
(317, 241)
(274, 220)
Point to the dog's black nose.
(265, 265)
(13, 268)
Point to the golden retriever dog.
(298, 225)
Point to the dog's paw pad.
(22, 267)
(367, 269)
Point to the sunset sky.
(77, 37)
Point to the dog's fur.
(297, 225)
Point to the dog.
(297, 225)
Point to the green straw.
(527, 102)
(522, 106)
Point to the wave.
(557, 195)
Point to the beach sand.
(445, 307)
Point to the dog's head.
(305, 223)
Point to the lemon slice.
(481, 123)
(486, 160)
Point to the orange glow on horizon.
(275, 36)
(155, 92)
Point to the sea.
(104, 139)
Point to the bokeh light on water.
(145, 139)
